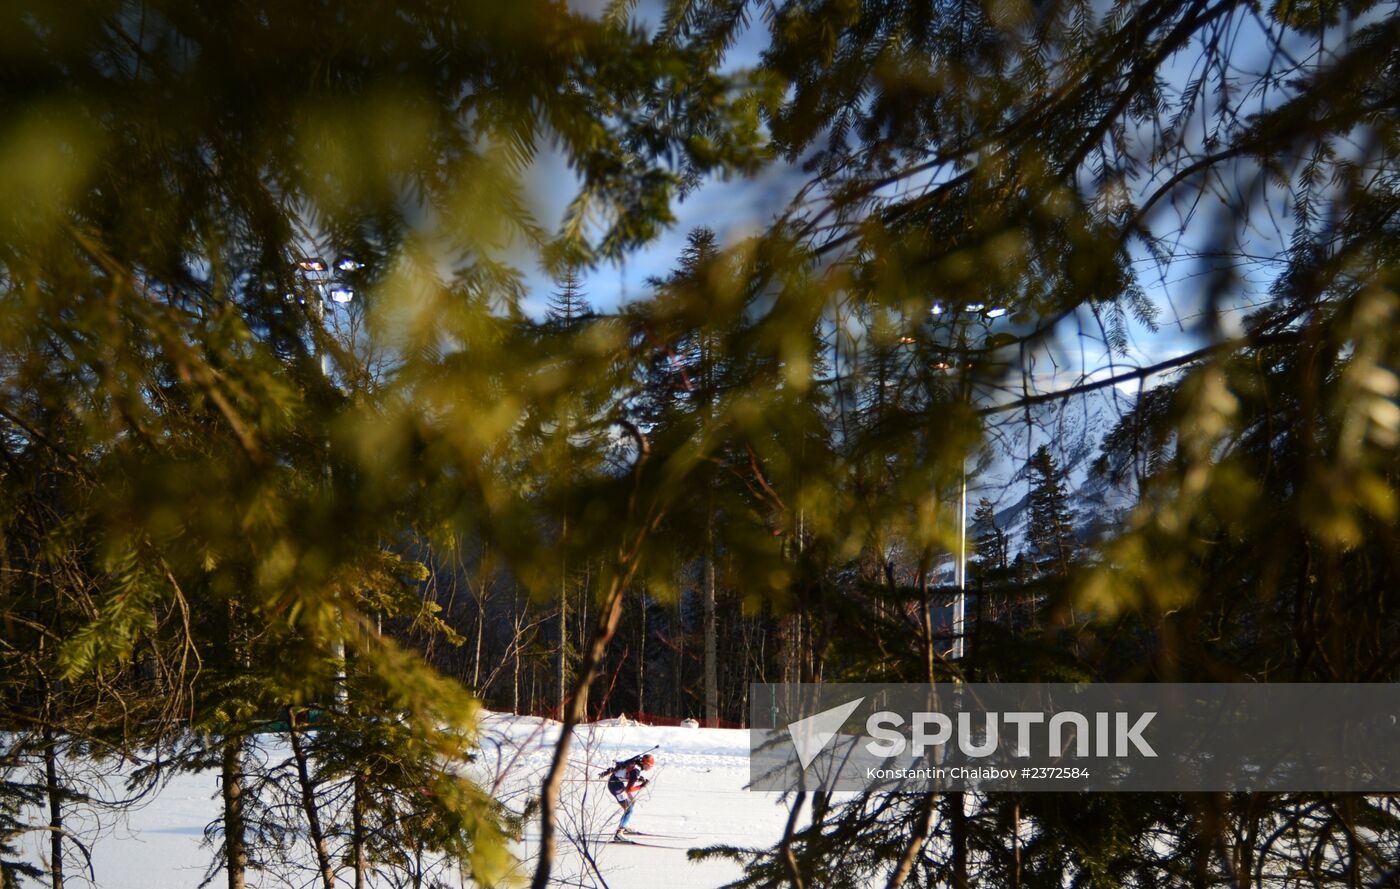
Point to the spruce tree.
(992, 543)
(691, 372)
(567, 303)
(991, 565)
(1050, 526)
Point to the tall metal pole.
(960, 601)
(323, 359)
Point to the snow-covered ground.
(697, 792)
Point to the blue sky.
(732, 208)
(735, 208)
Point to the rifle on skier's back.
(626, 763)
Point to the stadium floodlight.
(342, 294)
(960, 600)
(312, 264)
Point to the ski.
(629, 841)
(664, 836)
(534, 837)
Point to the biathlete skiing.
(625, 779)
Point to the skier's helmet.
(648, 761)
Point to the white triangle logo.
(810, 735)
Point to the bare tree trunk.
(642, 658)
(958, 823)
(562, 665)
(793, 664)
(482, 586)
(573, 714)
(916, 843)
(55, 806)
(926, 618)
(235, 849)
(791, 632)
(678, 699)
(711, 629)
(416, 879)
(582, 615)
(357, 831)
(516, 622)
(1348, 817)
(52, 789)
(308, 802)
(919, 837)
(785, 846)
(480, 632)
(1016, 845)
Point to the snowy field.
(696, 793)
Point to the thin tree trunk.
(813, 673)
(308, 802)
(1348, 813)
(919, 837)
(679, 703)
(516, 622)
(711, 629)
(417, 876)
(916, 843)
(562, 667)
(55, 806)
(785, 846)
(582, 615)
(574, 714)
(958, 822)
(52, 789)
(792, 656)
(480, 632)
(1016, 845)
(797, 617)
(482, 585)
(642, 659)
(357, 831)
(235, 849)
(926, 618)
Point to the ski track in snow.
(697, 790)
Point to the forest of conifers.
(310, 413)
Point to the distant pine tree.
(568, 305)
(992, 543)
(1051, 531)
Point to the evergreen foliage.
(567, 304)
(992, 543)
(1050, 529)
(235, 504)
